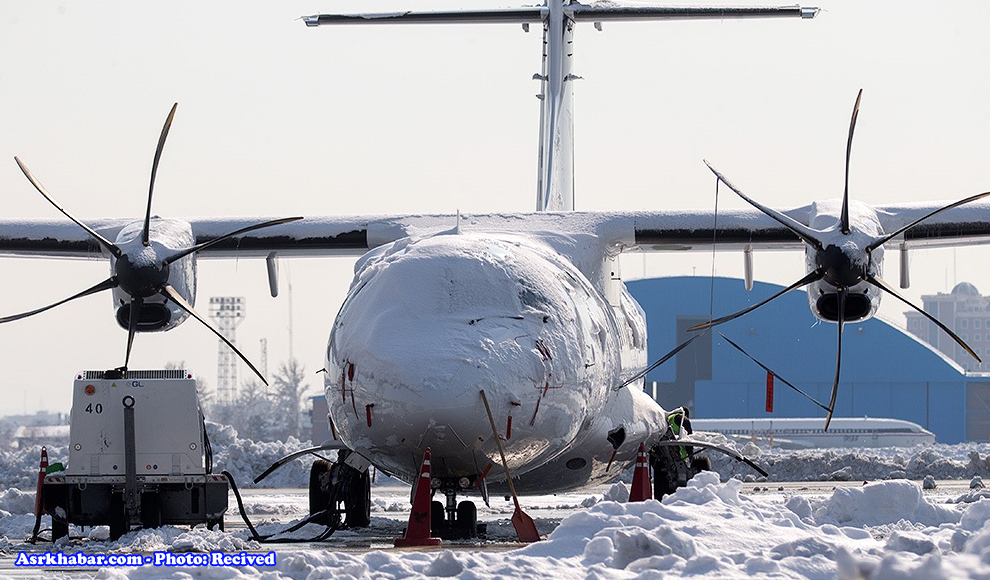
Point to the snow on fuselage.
(430, 322)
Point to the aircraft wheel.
(665, 472)
(437, 514)
(467, 519)
(357, 502)
(319, 497)
(701, 463)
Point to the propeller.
(839, 261)
(139, 272)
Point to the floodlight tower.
(229, 312)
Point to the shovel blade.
(525, 526)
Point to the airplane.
(526, 311)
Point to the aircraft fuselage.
(430, 322)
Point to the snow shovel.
(524, 525)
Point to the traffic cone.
(41, 480)
(641, 488)
(418, 530)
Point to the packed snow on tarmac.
(887, 529)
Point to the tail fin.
(555, 182)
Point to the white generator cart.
(138, 456)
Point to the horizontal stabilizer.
(597, 12)
(510, 15)
(616, 12)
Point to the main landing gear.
(672, 470)
(338, 489)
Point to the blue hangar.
(886, 372)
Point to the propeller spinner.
(141, 270)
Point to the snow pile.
(882, 503)
(19, 467)
(246, 459)
(882, 531)
(963, 461)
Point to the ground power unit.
(139, 456)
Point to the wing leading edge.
(651, 231)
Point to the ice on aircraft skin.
(431, 321)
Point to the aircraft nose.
(413, 347)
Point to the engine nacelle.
(166, 236)
(862, 301)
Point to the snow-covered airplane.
(527, 308)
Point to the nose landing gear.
(455, 521)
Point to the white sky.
(276, 119)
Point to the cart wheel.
(60, 528)
(151, 510)
(118, 517)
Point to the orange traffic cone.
(418, 530)
(641, 488)
(41, 480)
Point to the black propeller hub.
(141, 278)
(838, 268)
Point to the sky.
(277, 119)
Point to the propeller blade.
(838, 357)
(154, 171)
(104, 285)
(663, 359)
(849, 145)
(889, 237)
(881, 284)
(814, 276)
(135, 315)
(204, 245)
(107, 244)
(774, 373)
(800, 230)
(169, 292)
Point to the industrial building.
(886, 371)
(963, 310)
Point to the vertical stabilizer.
(555, 181)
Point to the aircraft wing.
(672, 230)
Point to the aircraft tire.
(437, 517)
(701, 463)
(357, 501)
(467, 519)
(319, 498)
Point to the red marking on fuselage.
(483, 474)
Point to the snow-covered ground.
(717, 527)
